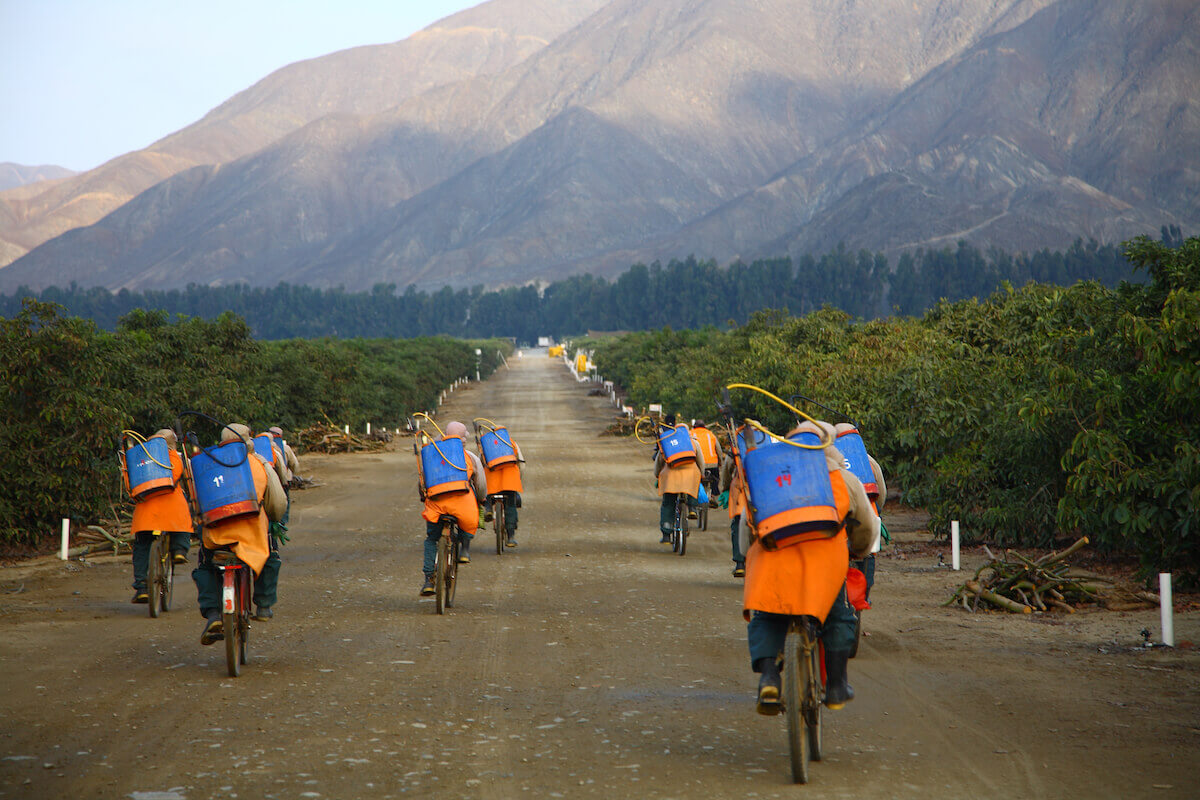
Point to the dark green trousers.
(208, 583)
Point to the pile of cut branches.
(114, 535)
(1023, 585)
(328, 438)
(621, 426)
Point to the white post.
(954, 545)
(368, 429)
(66, 539)
(1166, 609)
(347, 430)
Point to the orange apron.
(802, 578)
(460, 505)
(165, 511)
(504, 478)
(680, 479)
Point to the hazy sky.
(82, 81)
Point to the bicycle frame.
(232, 600)
(236, 593)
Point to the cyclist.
(463, 504)
(708, 446)
(808, 578)
(165, 511)
(876, 489)
(731, 498)
(505, 477)
(248, 537)
(680, 476)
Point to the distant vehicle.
(545, 341)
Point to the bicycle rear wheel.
(233, 643)
(813, 695)
(452, 567)
(168, 579)
(439, 574)
(683, 525)
(794, 664)
(498, 521)
(154, 574)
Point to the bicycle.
(803, 692)
(445, 569)
(497, 503)
(160, 574)
(236, 591)
(679, 525)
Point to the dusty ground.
(589, 663)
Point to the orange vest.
(246, 534)
(708, 446)
(165, 511)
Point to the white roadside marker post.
(1166, 609)
(66, 539)
(954, 563)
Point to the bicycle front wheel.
(154, 574)
(439, 574)
(794, 664)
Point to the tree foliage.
(70, 389)
(1037, 413)
(687, 293)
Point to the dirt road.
(590, 662)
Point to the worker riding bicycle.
(457, 490)
(677, 471)
(504, 468)
(805, 516)
(708, 450)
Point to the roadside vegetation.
(1036, 414)
(70, 388)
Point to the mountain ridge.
(653, 130)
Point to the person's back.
(678, 472)
(247, 535)
(806, 576)
(165, 510)
(461, 497)
(505, 471)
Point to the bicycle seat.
(450, 518)
(225, 558)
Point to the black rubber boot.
(464, 549)
(837, 687)
(768, 687)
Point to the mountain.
(644, 129)
(362, 80)
(13, 175)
